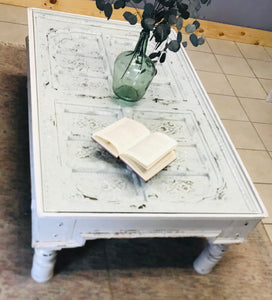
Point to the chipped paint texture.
(74, 61)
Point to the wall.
(219, 10)
(248, 13)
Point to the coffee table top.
(71, 64)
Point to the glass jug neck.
(141, 46)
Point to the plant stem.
(140, 49)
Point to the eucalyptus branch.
(158, 18)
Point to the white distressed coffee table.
(80, 192)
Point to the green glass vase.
(133, 71)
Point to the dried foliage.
(158, 17)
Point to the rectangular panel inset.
(72, 67)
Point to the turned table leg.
(209, 257)
(43, 264)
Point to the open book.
(144, 152)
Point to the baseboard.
(210, 29)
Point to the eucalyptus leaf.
(148, 9)
(149, 23)
(163, 57)
(201, 40)
(179, 37)
(185, 15)
(108, 10)
(196, 23)
(137, 1)
(172, 20)
(173, 11)
(161, 32)
(100, 4)
(184, 44)
(194, 40)
(131, 18)
(119, 4)
(179, 23)
(174, 45)
(204, 1)
(154, 54)
(168, 3)
(190, 28)
(182, 7)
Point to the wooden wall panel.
(210, 29)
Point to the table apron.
(67, 232)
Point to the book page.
(121, 135)
(150, 149)
(146, 174)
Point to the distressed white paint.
(43, 265)
(79, 191)
(209, 257)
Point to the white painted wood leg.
(209, 257)
(43, 264)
